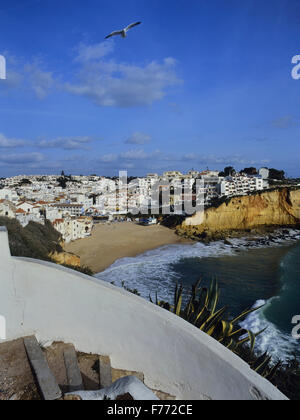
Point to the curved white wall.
(58, 304)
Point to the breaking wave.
(155, 271)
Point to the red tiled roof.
(24, 202)
(20, 211)
(57, 221)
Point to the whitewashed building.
(7, 209)
(9, 194)
(25, 218)
(70, 209)
(240, 185)
(72, 229)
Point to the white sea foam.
(279, 345)
(152, 272)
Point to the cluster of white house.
(66, 219)
(71, 208)
(241, 185)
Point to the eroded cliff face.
(266, 209)
(66, 258)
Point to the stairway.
(29, 372)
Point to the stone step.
(89, 368)
(105, 372)
(56, 361)
(121, 373)
(163, 395)
(30, 373)
(73, 372)
(16, 378)
(46, 381)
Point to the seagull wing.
(132, 25)
(113, 34)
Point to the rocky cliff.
(38, 241)
(65, 258)
(239, 214)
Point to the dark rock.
(125, 397)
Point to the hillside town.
(74, 203)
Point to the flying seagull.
(124, 31)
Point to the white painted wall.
(58, 304)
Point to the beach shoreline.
(111, 242)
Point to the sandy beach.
(109, 243)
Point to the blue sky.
(201, 83)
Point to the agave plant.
(201, 311)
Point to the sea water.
(248, 277)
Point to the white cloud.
(93, 52)
(10, 143)
(284, 122)
(140, 155)
(138, 138)
(40, 81)
(21, 159)
(104, 81)
(223, 160)
(66, 143)
(27, 77)
(14, 74)
(110, 84)
(130, 159)
(108, 158)
(134, 154)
